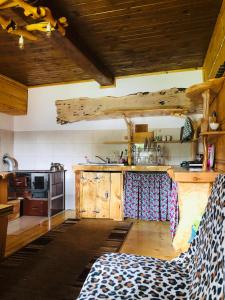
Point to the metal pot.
(56, 167)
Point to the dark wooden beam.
(75, 47)
(88, 63)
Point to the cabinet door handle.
(106, 195)
(96, 211)
(82, 211)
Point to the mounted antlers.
(37, 13)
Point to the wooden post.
(205, 148)
(130, 139)
(77, 193)
(194, 143)
(3, 234)
(5, 210)
(205, 125)
(3, 190)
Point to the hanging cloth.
(187, 131)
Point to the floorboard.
(150, 238)
(146, 238)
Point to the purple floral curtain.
(173, 209)
(148, 196)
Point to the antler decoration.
(47, 22)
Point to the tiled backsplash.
(37, 149)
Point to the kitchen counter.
(177, 173)
(193, 190)
(5, 210)
(4, 186)
(37, 171)
(4, 174)
(119, 168)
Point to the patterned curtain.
(173, 209)
(151, 196)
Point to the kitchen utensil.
(121, 157)
(56, 167)
(146, 144)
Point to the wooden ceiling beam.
(85, 61)
(74, 46)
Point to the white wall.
(6, 137)
(39, 140)
(6, 122)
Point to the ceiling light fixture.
(48, 29)
(21, 42)
(46, 22)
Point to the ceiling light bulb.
(49, 29)
(21, 42)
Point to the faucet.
(106, 161)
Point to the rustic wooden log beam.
(166, 102)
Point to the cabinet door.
(88, 195)
(116, 200)
(102, 195)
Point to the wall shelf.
(116, 142)
(170, 142)
(156, 142)
(212, 133)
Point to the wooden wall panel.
(215, 56)
(14, 97)
(218, 105)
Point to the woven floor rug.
(55, 265)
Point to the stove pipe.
(11, 162)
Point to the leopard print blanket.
(195, 275)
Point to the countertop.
(177, 173)
(5, 209)
(37, 171)
(4, 175)
(120, 168)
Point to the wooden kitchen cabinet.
(100, 195)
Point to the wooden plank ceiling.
(120, 37)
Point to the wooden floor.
(150, 238)
(145, 238)
(18, 237)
